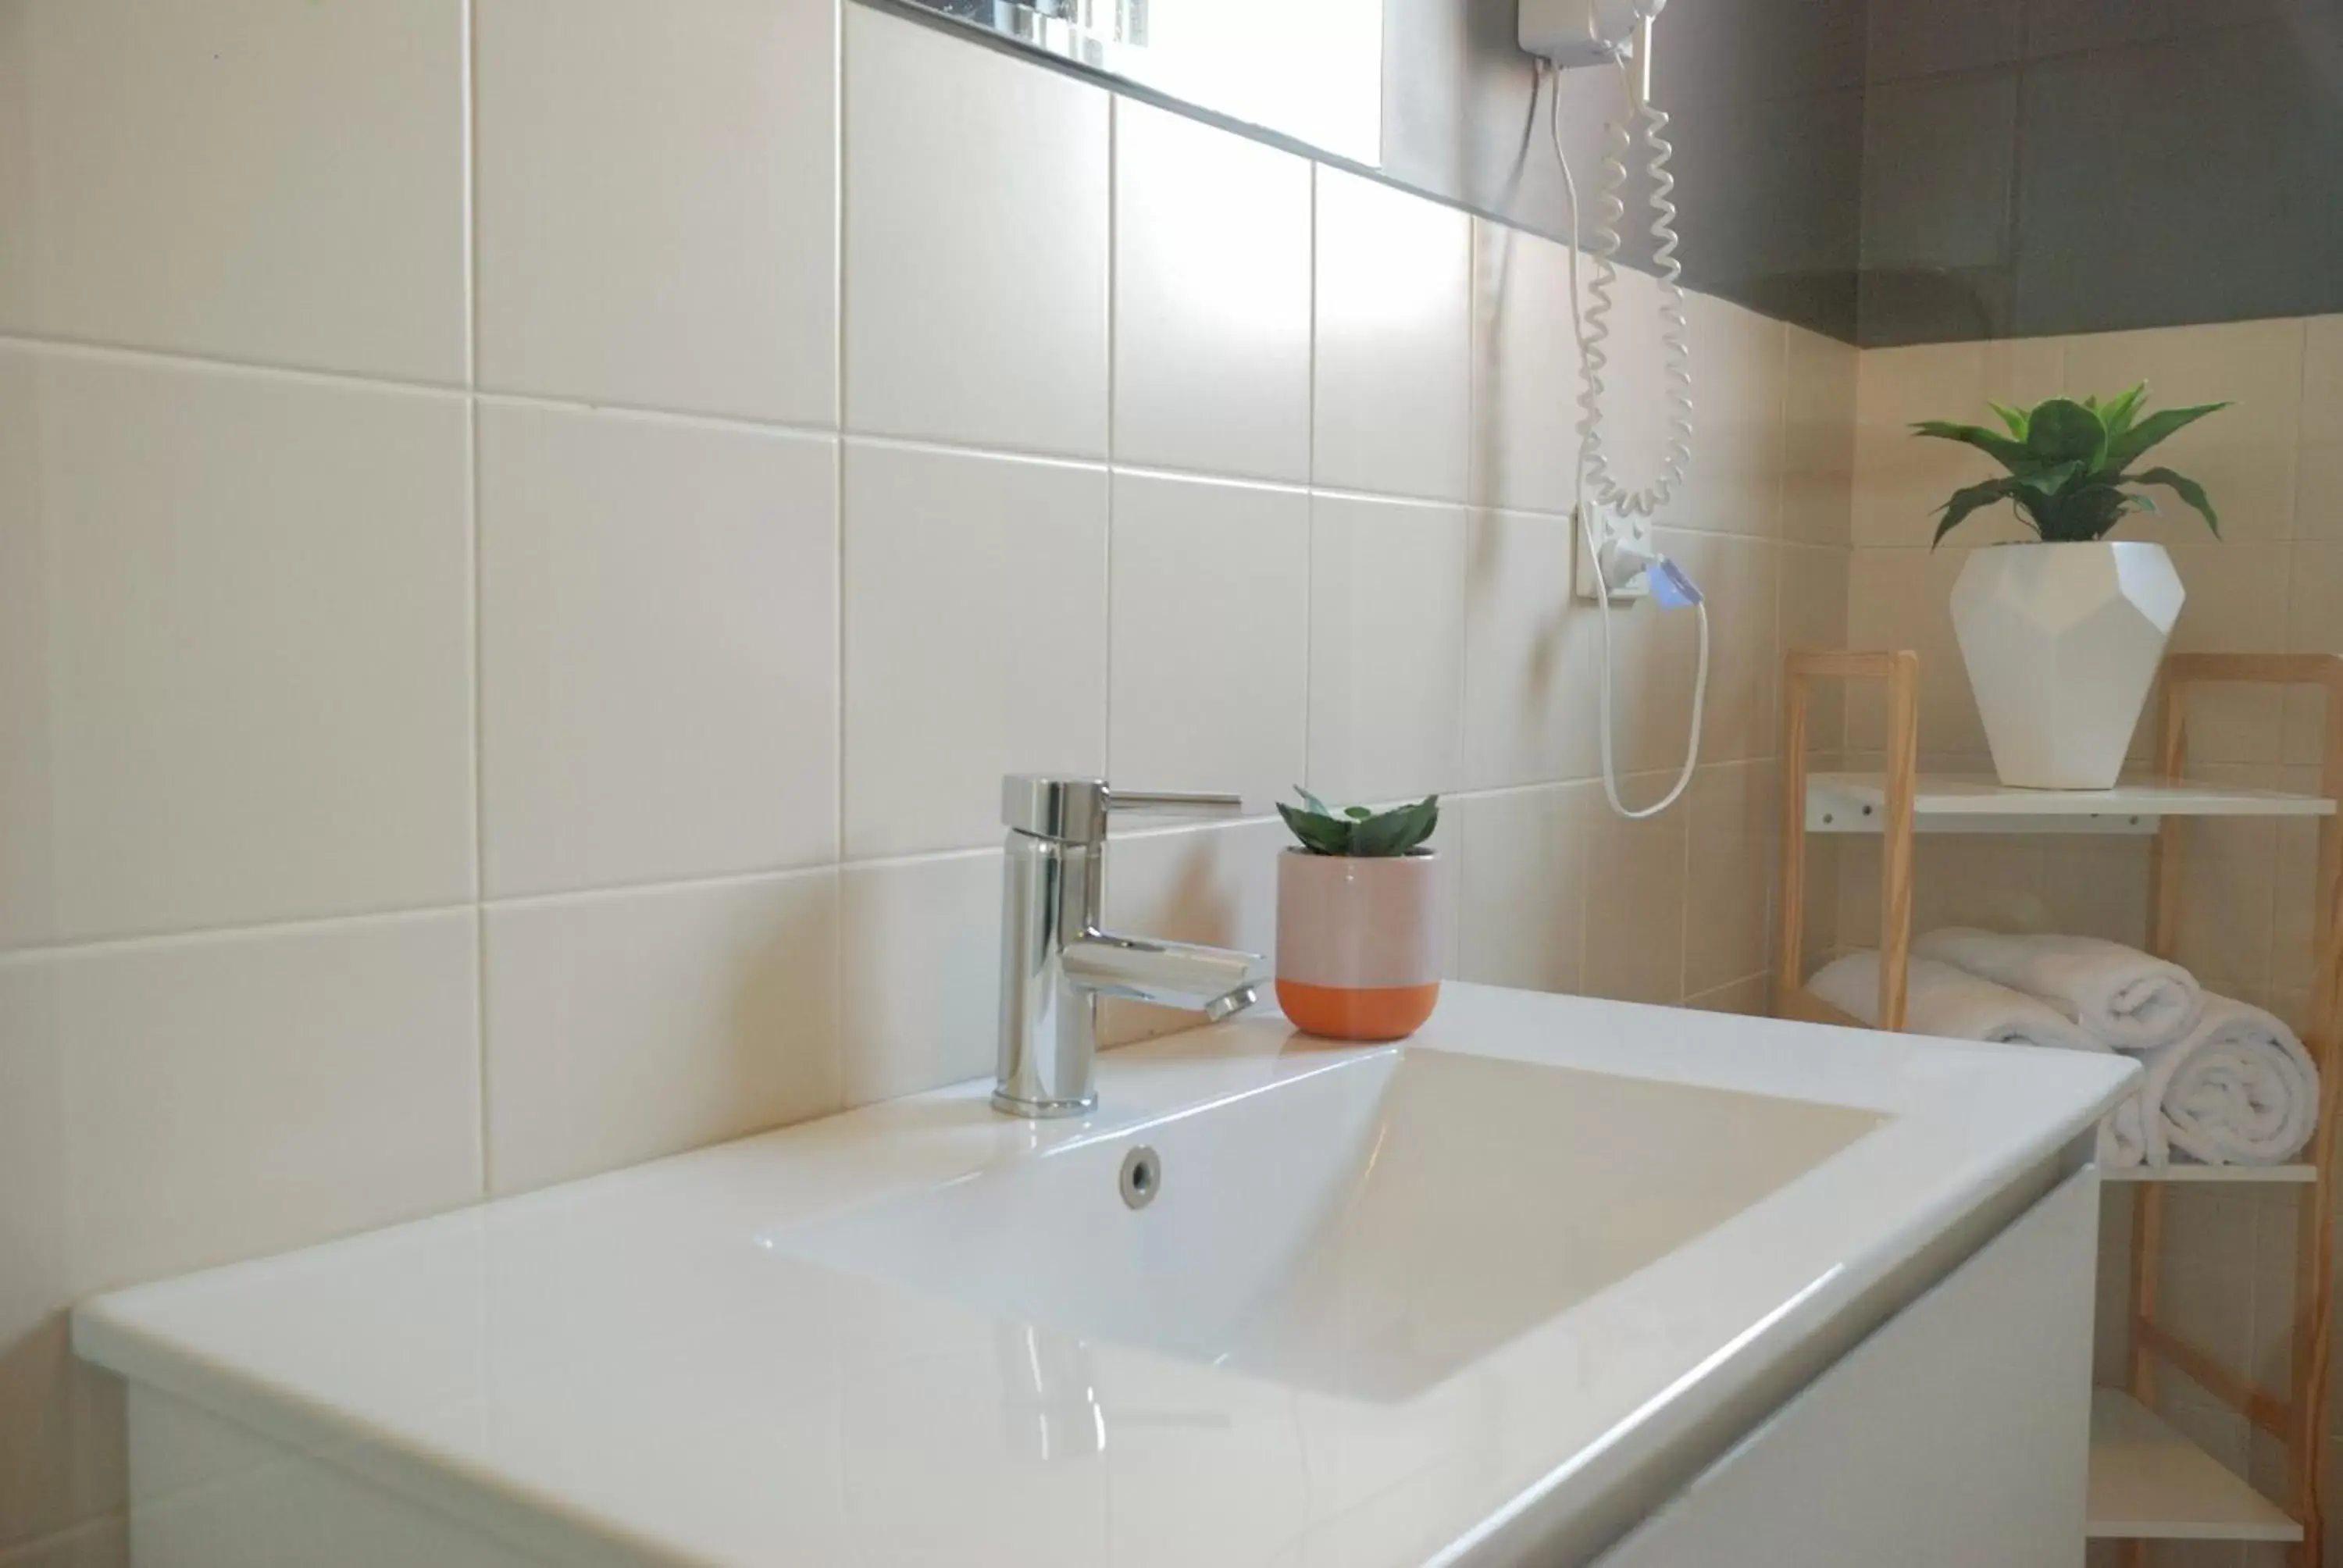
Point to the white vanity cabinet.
(1957, 1436)
(1559, 1282)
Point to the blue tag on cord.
(1670, 587)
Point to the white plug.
(1624, 552)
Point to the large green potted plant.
(2062, 633)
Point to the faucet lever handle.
(1174, 803)
(1075, 810)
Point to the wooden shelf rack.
(2147, 1481)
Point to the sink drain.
(1142, 1177)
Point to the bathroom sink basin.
(1365, 1229)
(1488, 1297)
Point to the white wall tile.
(1393, 357)
(1211, 628)
(657, 203)
(1211, 299)
(1520, 874)
(258, 179)
(1526, 371)
(976, 639)
(919, 973)
(2246, 456)
(659, 650)
(976, 241)
(1529, 671)
(624, 1026)
(1386, 647)
(249, 695)
(224, 1097)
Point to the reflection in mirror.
(1311, 70)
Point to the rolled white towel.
(2240, 1090)
(2126, 998)
(1940, 999)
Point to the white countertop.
(616, 1370)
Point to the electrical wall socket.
(1582, 576)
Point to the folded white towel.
(2240, 1090)
(1943, 1000)
(2126, 998)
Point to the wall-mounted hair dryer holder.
(1573, 33)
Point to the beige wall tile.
(1634, 919)
(1818, 426)
(2246, 456)
(1522, 884)
(1900, 479)
(2318, 472)
(1733, 831)
(1734, 483)
(1742, 582)
(1898, 599)
(1813, 614)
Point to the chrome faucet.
(1055, 962)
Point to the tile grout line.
(838, 304)
(478, 594)
(1114, 361)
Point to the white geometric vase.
(2062, 643)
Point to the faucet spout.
(1175, 974)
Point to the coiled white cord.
(1590, 326)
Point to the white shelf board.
(1979, 803)
(2149, 1482)
(2186, 1173)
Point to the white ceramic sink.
(1485, 1298)
(1366, 1229)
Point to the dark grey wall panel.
(1768, 97)
(2045, 166)
(1768, 100)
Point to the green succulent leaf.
(2181, 485)
(2017, 419)
(1316, 804)
(2014, 455)
(1320, 834)
(1397, 831)
(2065, 431)
(2157, 427)
(1358, 830)
(1964, 502)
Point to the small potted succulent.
(1358, 919)
(2063, 634)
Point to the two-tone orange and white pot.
(1358, 942)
